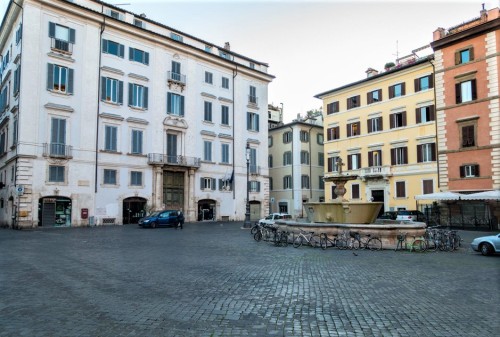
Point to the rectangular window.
(207, 150)
(425, 114)
(252, 121)
(397, 90)
(469, 171)
(136, 178)
(374, 96)
(253, 161)
(252, 97)
(355, 191)
(17, 80)
(353, 102)
(464, 56)
(110, 138)
(56, 174)
(225, 82)
(428, 186)
(468, 136)
(398, 120)
(109, 177)
(139, 23)
(254, 186)
(136, 146)
(374, 124)
(138, 55)
(426, 153)
(353, 129)
(175, 74)
(62, 38)
(207, 115)
(304, 157)
(287, 137)
(270, 161)
(58, 137)
(224, 115)
(176, 37)
(225, 153)
(400, 189)
(321, 159)
(208, 77)
(321, 183)
(287, 182)
(113, 48)
(332, 107)
(465, 91)
(304, 136)
(375, 158)
(111, 90)
(4, 98)
(319, 139)
(354, 161)
(19, 33)
(304, 181)
(287, 158)
(333, 164)
(333, 133)
(399, 156)
(175, 104)
(424, 83)
(60, 79)
(137, 96)
(208, 183)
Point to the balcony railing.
(253, 100)
(158, 158)
(57, 150)
(375, 171)
(61, 45)
(254, 169)
(176, 78)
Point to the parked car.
(271, 218)
(165, 218)
(487, 245)
(390, 215)
(410, 216)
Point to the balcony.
(375, 172)
(163, 159)
(61, 46)
(253, 100)
(56, 150)
(254, 169)
(176, 79)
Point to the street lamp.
(247, 223)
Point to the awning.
(440, 196)
(487, 195)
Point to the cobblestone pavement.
(213, 279)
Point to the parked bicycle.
(368, 242)
(307, 238)
(346, 241)
(326, 242)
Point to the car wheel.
(153, 224)
(486, 249)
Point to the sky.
(310, 46)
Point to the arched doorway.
(134, 208)
(54, 211)
(206, 210)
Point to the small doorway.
(206, 210)
(54, 211)
(254, 210)
(133, 209)
(378, 196)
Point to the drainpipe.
(293, 178)
(435, 123)
(235, 73)
(103, 26)
(310, 166)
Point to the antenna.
(397, 52)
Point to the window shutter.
(369, 98)
(433, 151)
(52, 30)
(391, 120)
(358, 124)
(380, 95)
(431, 81)
(349, 130)
(50, 76)
(404, 118)
(257, 122)
(369, 125)
(220, 184)
(458, 93)
(103, 88)
(471, 53)
(370, 158)
(182, 106)
(104, 46)
(419, 153)
(349, 162)
(405, 155)
(120, 92)
(130, 53)
(359, 160)
(146, 58)
(248, 121)
(391, 91)
(476, 171)
(380, 157)
(201, 184)
(417, 84)
(473, 88)
(121, 51)
(169, 102)
(72, 35)
(403, 89)
(418, 115)
(432, 113)
(462, 171)
(393, 156)
(70, 80)
(381, 125)
(130, 93)
(145, 97)
(457, 57)
(214, 182)
(329, 162)
(336, 106)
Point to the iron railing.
(158, 158)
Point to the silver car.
(487, 245)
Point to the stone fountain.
(341, 214)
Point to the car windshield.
(269, 217)
(404, 213)
(154, 214)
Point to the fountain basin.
(387, 232)
(342, 212)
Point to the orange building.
(467, 105)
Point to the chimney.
(438, 34)
(371, 72)
(484, 14)
(142, 15)
(227, 46)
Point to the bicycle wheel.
(284, 239)
(456, 241)
(254, 229)
(315, 241)
(355, 244)
(257, 236)
(297, 242)
(431, 245)
(374, 244)
(418, 246)
(323, 241)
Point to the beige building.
(296, 162)
(383, 129)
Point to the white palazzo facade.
(106, 115)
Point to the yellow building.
(383, 128)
